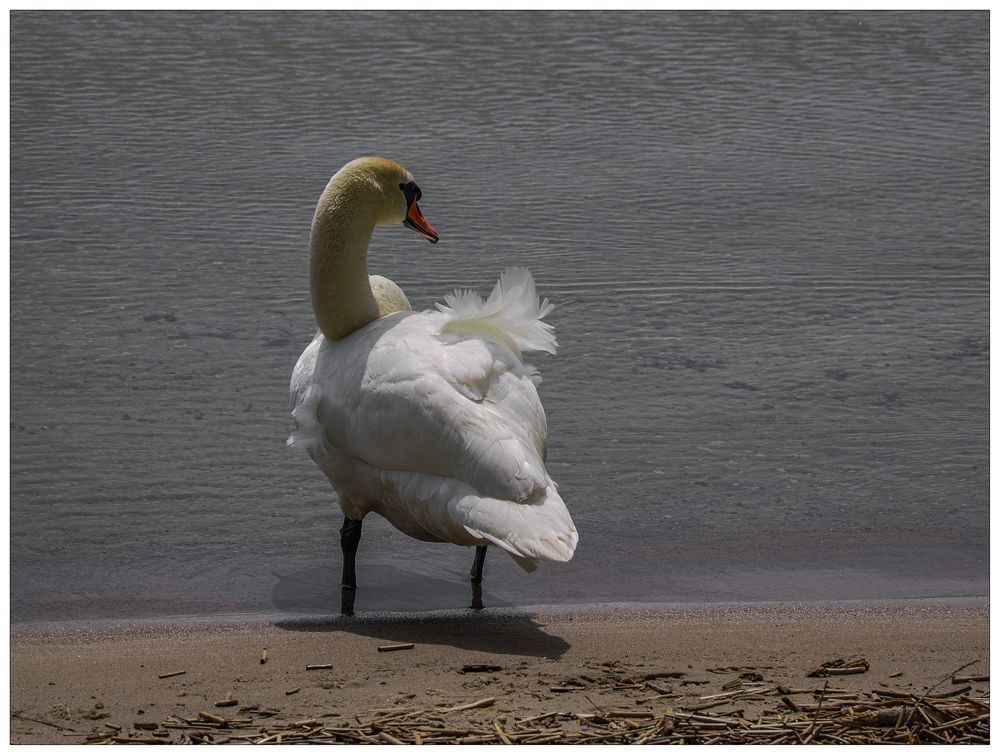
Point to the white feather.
(512, 315)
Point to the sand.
(70, 681)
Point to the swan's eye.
(411, 191)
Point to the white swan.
(429, 419)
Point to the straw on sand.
(819, 715)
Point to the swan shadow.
(489, 630)
(316, 591)
(397, 606)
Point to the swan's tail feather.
(447, 510)
(528, 532)
(511, 315)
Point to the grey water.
(766, 236)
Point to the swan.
(430, 419)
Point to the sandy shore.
(69, 682)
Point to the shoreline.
(596, 610)
(71, 682)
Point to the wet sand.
(70, 681)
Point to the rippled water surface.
(766, 236)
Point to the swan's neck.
(342, 297)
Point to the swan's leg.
(350, 536)
(477, 577)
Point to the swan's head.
(395, 193)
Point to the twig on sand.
(596, 706)
(815, 720)
(840, 667)
(400, 646)
(484, 703)
(473, 668)
(40, 721)
(967, 679)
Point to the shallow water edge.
(98, 629)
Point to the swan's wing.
(455, 406)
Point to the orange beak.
(415, 219)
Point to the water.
(767, 237)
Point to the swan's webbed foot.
(477, 577)
(350, 536)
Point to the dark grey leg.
(477, 577)
(350, 536)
